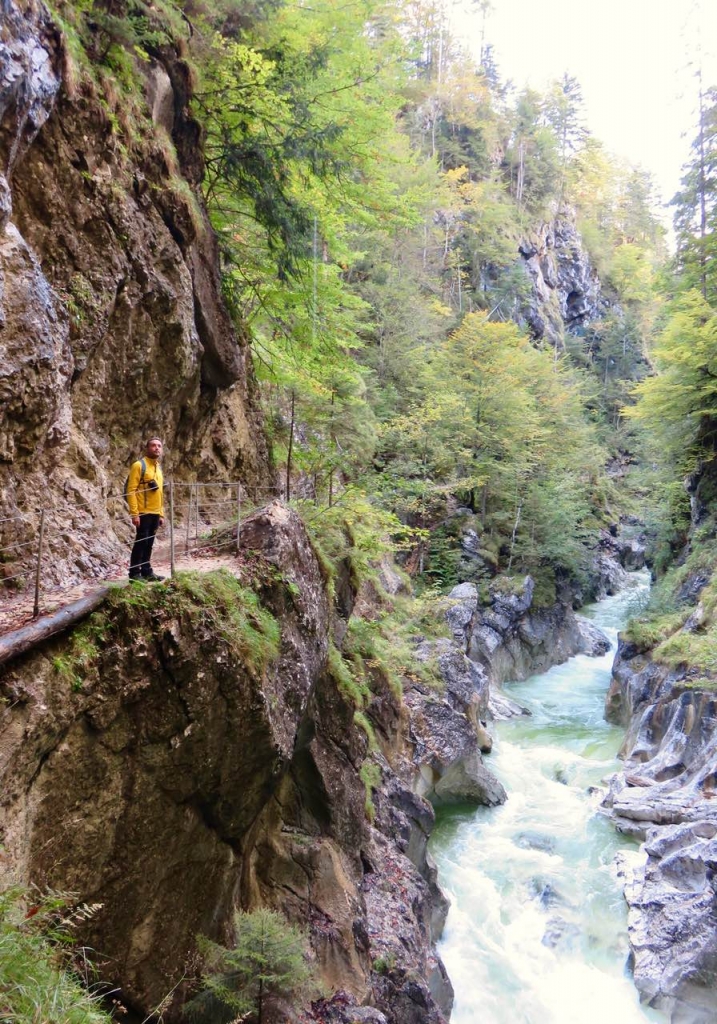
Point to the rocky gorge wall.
(665, 798)
(167, 768)
(189, 770)
(567, 294)
(112, 324)
(665, 795)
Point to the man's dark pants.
(142, 550)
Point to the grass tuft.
(37, 983)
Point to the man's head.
(153, 448)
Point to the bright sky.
(631, 57)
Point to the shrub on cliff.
(267, 961)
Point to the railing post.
(238, 514)
(171, 528)
(189, 519)
(36, 607)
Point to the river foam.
(536, 933)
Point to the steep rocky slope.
(112, 324)
(665, 797)
(188, 751)
(663, 692)
(566, 290)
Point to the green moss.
(659, 624)
(708, 683)
(233, 610)
(77, 662)
(697, 650)
(354, 690)
(326, 566)
(648, 631)
(386, 646)
(218, 599)
(371, 777)
(362, 721)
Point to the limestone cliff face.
(665, 797)
(185, 772)
(566, 290)
(112, 324)
(510, 638)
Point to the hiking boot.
(153, 578)
(139, 579)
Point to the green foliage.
(492, 426)
(659, 626)
(371, 777)
(679, 403)
(37, 979)
(355, 691)
(696, 206)
(267, 960)
(217, 599)
(354, 531)
(385, 645)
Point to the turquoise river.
(537, 930)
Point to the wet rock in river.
(448, 730)
(535, 841)
(593, 641)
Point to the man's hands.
(161, 520)
(135, 520)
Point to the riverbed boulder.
(593, 641)
(448, 728)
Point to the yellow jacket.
(147, 495)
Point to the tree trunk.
(18, 641)
(515, 532)
(291, 446)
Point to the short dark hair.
(153, 438)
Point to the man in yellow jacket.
(145, 497)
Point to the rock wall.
(112, 324)
(665, 797)
(178, 773)
(566, 290)
(510, 638)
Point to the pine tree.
(267, 960)
(696, 204)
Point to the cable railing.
(201, 519)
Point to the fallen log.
(18, 641)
